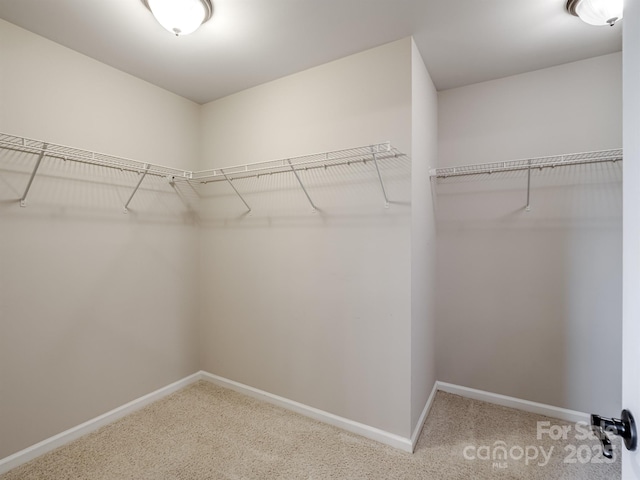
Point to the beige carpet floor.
(208, 432)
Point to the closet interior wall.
(332, 308)
(97, 307)
(424, 152)
(317, 307)
(529, 302)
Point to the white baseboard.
(382, 436)
(423, 417)
(51, 443)
(361, 429)
(517, 403)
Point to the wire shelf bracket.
(144, 174)
(235, 190)
(302, 185)
(527, 208)
(384, 192)
(23, 199)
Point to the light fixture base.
(571, 7)
(595, 15)
(208, 12)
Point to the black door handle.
(624, 427)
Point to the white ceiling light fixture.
(597, 12)
(180, 17)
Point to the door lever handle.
(624, 427)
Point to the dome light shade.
(180, 17)
(597, 12)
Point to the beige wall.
(52, 93)
(424, 153)
(338, 105)
(529, 303)
(314, 307)
(574, 107)
(96, 307)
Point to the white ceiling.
(249, 42)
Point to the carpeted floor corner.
(208, 432)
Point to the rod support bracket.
(295, 172)
(384, 191)
(23, 199)
(235, 190)
(528, 207)
(142, 174)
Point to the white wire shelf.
(529, 163)
(62, 152)
(349, 156)
(374, 154)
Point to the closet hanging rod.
(530, 163)
(62, 152)
(334, 158)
